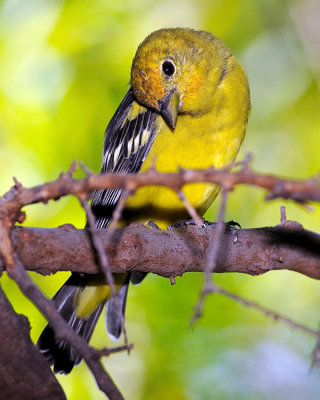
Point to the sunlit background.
(64, 67)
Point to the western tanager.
(188, 107)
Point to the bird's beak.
(169, 107)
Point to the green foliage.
(64, 67)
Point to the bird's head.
(177, 70)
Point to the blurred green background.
(64, 67)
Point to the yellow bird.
(187, 106)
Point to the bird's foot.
(181, 224)
(232, 226)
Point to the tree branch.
(167, 253)
(171, 253)
(27, 376)
(297, 190)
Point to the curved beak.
(169, 107)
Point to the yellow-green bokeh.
(64, 67)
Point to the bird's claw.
(233, 226)
(181, 224)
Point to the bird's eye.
(168, 68)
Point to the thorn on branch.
(85, 169)
(17, 184)
(67, 227)
(245, 163)
(72, 169)
(172, 280)
(283, 217)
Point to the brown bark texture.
(193, 248)
(24, 372)
(171, 253)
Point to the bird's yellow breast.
(198, 141)
(190, 145)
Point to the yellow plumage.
(187, 107)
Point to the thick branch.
(170, 253)
(165, 253)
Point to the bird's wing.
(128, 139)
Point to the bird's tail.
(58, 353)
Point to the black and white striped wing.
(128, 139)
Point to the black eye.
(168, 68)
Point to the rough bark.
(24, 373)
(170, 253)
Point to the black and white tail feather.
(127, 143)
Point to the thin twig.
(117, 213)
(316, 353)
(73, 167)
(206, 289)
(212, 257)
(283, 216)
(103, 260)
(217, 236)
(297, 190)
(102, 256)
(116, 216)
(263, 310)
(244, 164)
(107, 352)
(191, 210)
